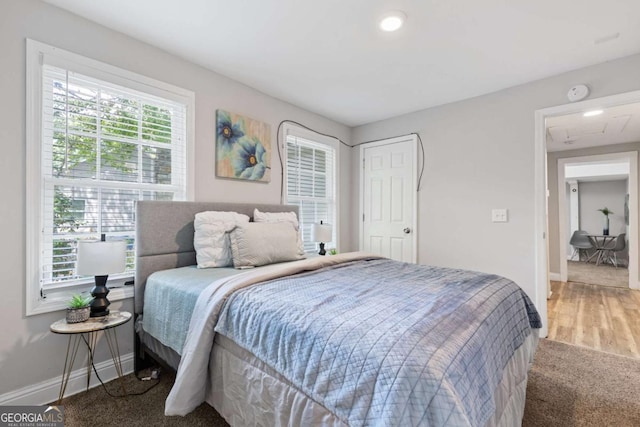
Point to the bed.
(346, 340)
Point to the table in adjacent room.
(601, 243)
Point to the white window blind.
(311, 184)
(104, 146)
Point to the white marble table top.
(113, 319)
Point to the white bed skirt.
(246, 392)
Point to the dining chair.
(616, 246)
(580, 242)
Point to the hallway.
(598, 317)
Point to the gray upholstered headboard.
(164, 235)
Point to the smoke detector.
(578, 93)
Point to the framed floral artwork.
(243, 148)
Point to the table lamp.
(100, 258)
(321, 233)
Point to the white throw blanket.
(189, 389)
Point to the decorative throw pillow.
(211, 237)
(255, 244)
(273, 217)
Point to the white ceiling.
(616, 125)
(328, 56)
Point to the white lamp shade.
(321, 233)
(100, 258)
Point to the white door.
(389, 201)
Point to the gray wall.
(596, 195)
(479, 152)
(479, 156)
(29, 353)
(552, 180)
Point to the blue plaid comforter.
(379, 342)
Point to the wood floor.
(599, 317)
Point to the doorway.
(541, 191)
(389, 198)
(588, 186)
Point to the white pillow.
(255, 244)
(211, 237)
(273, 217)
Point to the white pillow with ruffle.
(211, 238)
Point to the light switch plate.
(499, 215)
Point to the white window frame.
(291, 129)
(57, 297)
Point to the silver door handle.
(407, 230)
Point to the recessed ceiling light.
(392, 21)
(592, 113)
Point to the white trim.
(632, 158)
(574, 217)
(47, 391)
(292, 129)
(191, 147)
(109, 73)
(33, 172)
(395, 140)
(35, 54)
(58, 299)
(555, 277)
(540, 227)
(540, 188)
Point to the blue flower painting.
(228, 132)
(249, 159)
(243, 148)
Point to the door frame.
(540, 187)
(413, 138)
(632, 158)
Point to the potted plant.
(606, 212)
(78, 309)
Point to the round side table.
(88, 332)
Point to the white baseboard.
(47, 391)
(555, 277)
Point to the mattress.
(248, 392)
(157, 349)
(170, 297)
(237, 376)
(245, 388)
(420, 345)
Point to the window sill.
(57, 299)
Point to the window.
(99, 139)
(310, 170)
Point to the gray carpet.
(577, 386)
(603, 274)
(568, 386)
(97, 408)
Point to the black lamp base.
(99, 305)
(322, 251)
